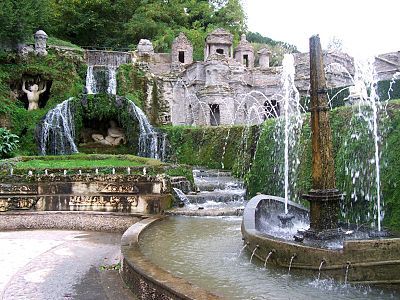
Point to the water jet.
(319, 237)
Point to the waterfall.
(57, 131)
(102, 70)
(91, 87)
(151, 143)
(112, 80)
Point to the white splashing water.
(181, 195)
(292, 119)
(151, 143)
(57, 132)
(112, 80)
(368, 110)
(91, 87)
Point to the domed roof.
(244, 45)
(40, 33)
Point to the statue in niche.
(33, 94)
(115, 136)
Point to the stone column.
(324, 197)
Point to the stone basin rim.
(137, 270)
(374, 261)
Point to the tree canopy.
(120, 24)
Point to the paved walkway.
(54, 264)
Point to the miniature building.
(244, 53)
(40, 43)
(219, 41)
(182, 50)
(145, 48)
(221, 90)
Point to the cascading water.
(112, 81)
(181, 195)
(151, 143)
(101, 77)
(102, 70)
(57, 131)
(91, 87)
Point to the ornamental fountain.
(313, 239)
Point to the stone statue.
(33, 95)
(115, 136)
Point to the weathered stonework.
(145, 48)
(244, 53)
(222, 90)
(40, 43)
(387, 66)
(112, 193)
(181, 52)
(219, 41)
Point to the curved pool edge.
(359, 261)
(149, 281)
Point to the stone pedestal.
(324, 213)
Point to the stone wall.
(339, 69)
(387, 65)
(113, 193)
(68, 220)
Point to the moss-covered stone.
(66, 75)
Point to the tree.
(121, 24)
(19, 19)
(277, 48)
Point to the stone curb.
(148, 281)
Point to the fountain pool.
(207, 252)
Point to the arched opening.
(102, 136)
(181, 56)
(30, 81)
(220, 51)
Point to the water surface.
(205, 250)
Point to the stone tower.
(244, 53)
(264, 55)
(40, 43)
(219, 42)
(182, 50)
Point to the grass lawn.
(82, 161)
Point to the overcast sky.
(366, 27)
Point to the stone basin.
(356, 259)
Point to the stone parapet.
(116, 193)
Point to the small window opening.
(220, 51)
(246, 60)
(181, 56)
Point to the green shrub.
(8, 143)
